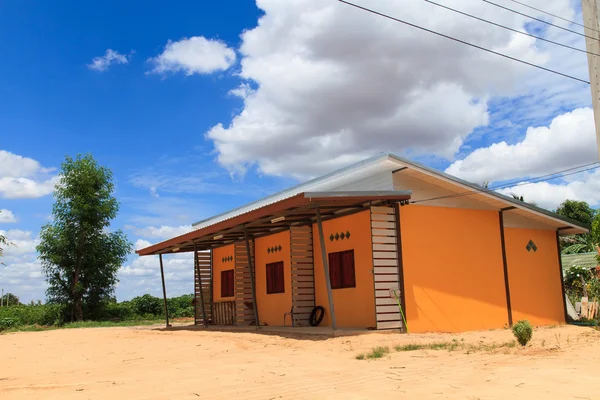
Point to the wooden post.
(326, 268)
(162, 275)
(252, 283)
(200, 285)
(505, 266)
(562, 281)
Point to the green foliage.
(523, 331)
(181, 306)
(577, 211)
(79, 256)
(147, 305)
(10, 299)
(576, 279)
(47, 315)
(7, 323)
(376, 352)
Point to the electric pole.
(590, 13)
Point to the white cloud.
(569, 141)
(162, 232)
(7, 216)
(195, 55)
(22, 275)
(340, 94)
(111, 57)
(23, 177)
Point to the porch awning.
(275, 217)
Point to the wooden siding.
(385, 267)
(244, 311)
(302, 266)
(205, 282)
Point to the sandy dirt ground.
(150, 363)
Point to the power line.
(542, 178)
(511, 29)
(539, 20)
(462, 41)
(554, 15)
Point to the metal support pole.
(252, 284)
(562, 279)
(505, 266)
(326, 268)
(197, 266)
(162, 275)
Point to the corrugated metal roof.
(587, 260)
(379, 163)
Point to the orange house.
(383, 244)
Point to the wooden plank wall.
(244, 310)
(385, 267)
(205, 267)
(224, 313)
(303, 279)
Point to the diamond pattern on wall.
(226, 259)
(339, 236)
(531, 246)
(274, 249)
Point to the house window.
(227, 283)
(275, 283)
(341, 269)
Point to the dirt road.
(148, 363)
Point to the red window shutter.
(348, 276)
(275, 281)
(227, 283)
(335, 270)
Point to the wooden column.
(252, 281)
(162, 275)
(505, 265)
(401, 284)
(197, 267)
(326, 268)
(562, 280)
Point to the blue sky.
(315, 91)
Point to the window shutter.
(348, 277)
(335, 270)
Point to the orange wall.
(218, 266)
(534, 277)
(354, 307)
(271, 307)
(453, 269)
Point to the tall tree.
(3, 244)
(79, 256)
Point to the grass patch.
(376, 352)
(454, 345)
(409, 347)
(83, 324)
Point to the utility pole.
(2, 298)
(591, 12)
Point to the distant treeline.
(146, 307)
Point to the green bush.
(523, 331)
(147, 305)
(6, 323)
(47, 314)
(181, 306)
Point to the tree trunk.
(78, 306)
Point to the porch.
(238, 241)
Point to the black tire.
(314, 320)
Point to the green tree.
(577, 211)
(10, 299)
(79, 256)
(582, 212)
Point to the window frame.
(342, 272)
(228, 278)
(273, 271)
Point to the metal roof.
(586, 260)
(381, 163)
(300, 209)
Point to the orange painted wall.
(271, 307)
(534, 277)
(218, 266)
(453, 269)
(354, 307)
